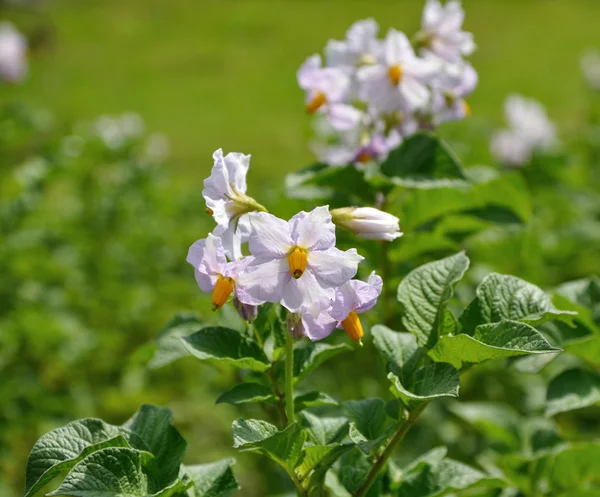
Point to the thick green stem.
(380, 461)
(289, 378)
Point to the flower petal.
(313, 230)
(263, 281)
(270, 236)
(397, 47)
(208, 259)
(319, 326)
(304, 292)
(237, 165)
(333, 267)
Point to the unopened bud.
(247, 312)
(368, 222)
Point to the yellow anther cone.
(222, 291)
(297, 260)
(353, 327)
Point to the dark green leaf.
(213, 480)
(308, 356)
(168, 344)
(432, 381)
(324, 430)
(153, 425)
(424, 294)
(490, 341)
(399, 349)
(501, 297)
(572, 389)
(226, 346)
(246, 392)
(578, 466)
(368, 416)
(313, 399)
(422, 157)
(318, 459)
(284, 447)
(353, 469)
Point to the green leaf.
(586, 348)
(401, 351)
(490, 341)
(318, 459)
(308, 356)
(324, 430)
(226, 346)
(433, 478)
(284, 447)
(585, 293)
(353, 469)
(365, 444)
(503, 297)
(424, 294)
(578, 466)
(498, 422)
(168, 344)
(114, 472)
(313, 399)
(61, 449)
(368, 415)
(320, 181)
(213, 480)
(422, 157)
(572, 389)
(432, 381)
(153, 425)
(245, 393)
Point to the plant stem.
(380, 461)
(289, 378)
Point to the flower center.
(297, 261)
(395, 74)
(363, 157)
(353, 327)
(222, 291)
(316, 103)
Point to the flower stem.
(380, 461)
(289, 378)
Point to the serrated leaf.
(572, 389)
(445, 476)
(422, 157)
(226, 346)
(313, 399)
(424, 294)
(400, 350)
(504, 297)
(168, 346)
(498, 422)
(308, 356)
(153, 425)
(432, 381)
(490, 341)
(213, 480)
(284, 447)
(368, 416)
(113, 472)
(61, 449)
(245, 393)
(324, 430)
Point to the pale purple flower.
(368, 222)
(233, 235)
(212, 271)
(355, 295)
(451, 86)
(296, 262)
(326, 91)
(442, 31)
(510, 148)
(360, 47)
(399, 81)
(13, 53)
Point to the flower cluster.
(13, 53)
(529, 130)
(295, 262)
(370, 93)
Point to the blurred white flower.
(590, 67)
(529, 130)
(450, 88)
(399, 81)
(117, 131)
(13, 53)
(360, 47)
(442, 31)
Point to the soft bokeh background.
(209, 74)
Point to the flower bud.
(295, 325)
(368, 222)
(247, 312)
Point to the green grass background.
(215, 74)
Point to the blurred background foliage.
(96, 215)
